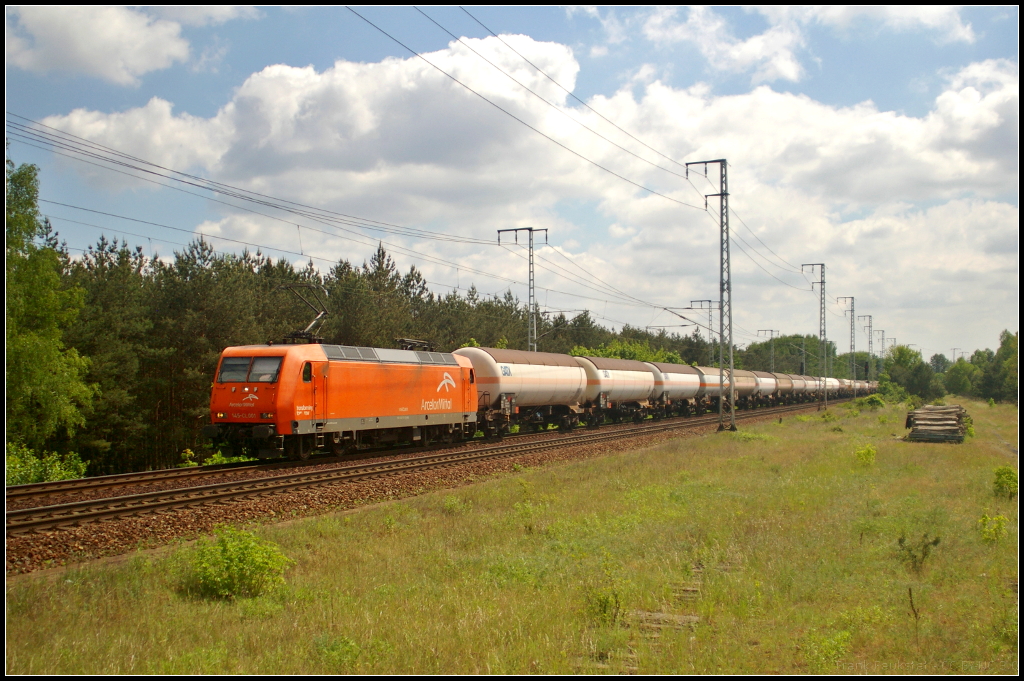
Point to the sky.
(882, 142)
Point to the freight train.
(293, 400)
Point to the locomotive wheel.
(297, 448)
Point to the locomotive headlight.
(221, 414)
(267, 415)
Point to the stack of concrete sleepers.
(936, 424)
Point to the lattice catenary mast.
(724, 289)
(772, 333)
(822, 345)
(853, 342)
(711, 330)
(871, 348)
(531, 336)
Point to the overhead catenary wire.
(542, 98)
(571, 94)
(604, 288)
(523, 122)
(615, 293)
(70, 142)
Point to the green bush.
(747, 436)
(337, 652)
(992, 528)
(1006, 482)
(916, 553)
(866, 455)
(823, 652)
(454, 506)
(190, 458)
(233, 564)
(24, 466)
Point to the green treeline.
(111, 355)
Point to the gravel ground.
(51, 548)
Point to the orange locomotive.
(293, 399)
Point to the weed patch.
(822, 652)
(915, 553)
(1006, 482)
(336, 652)
(866, 455)
(234, 564)
(748, 436)
(603, 596)
(992, 528)
(453, 505)
(24, 466)
(867, 618)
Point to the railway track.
(28, 520)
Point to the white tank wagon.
(746, 387)
(803, 388)
(767, 386)
(530, 388)
(676, 387)
(616, 387)
(785, 390)
(713, 383)
(833, 386)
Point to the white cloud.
(399, 142)
(117, 44)
(208, 15)
(944, 21)
(114, 43)
(152, 132)
(770, 54)
(773, 54)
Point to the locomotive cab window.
(307, 372)
(265, 369)
(234, 369)
(252, 369)
(472, 376)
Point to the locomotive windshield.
(249, 369)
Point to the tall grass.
(789, 540)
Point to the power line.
(520, 120)
(568, 92)
(541, 97)
(74, 143)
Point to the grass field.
(775, 549)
